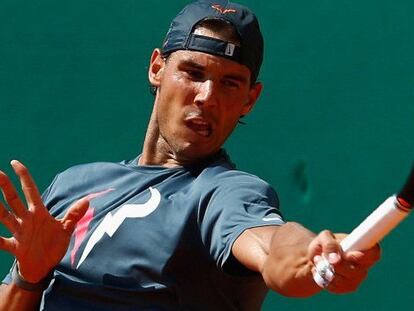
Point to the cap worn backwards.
(181, 36)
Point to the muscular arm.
(284, 255)
(280, 254)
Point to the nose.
(205, 94)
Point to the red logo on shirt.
(82, 226)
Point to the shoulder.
(93, 170)
(223, 173)
(222, 179)
(83, 179)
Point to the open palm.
(39, 241)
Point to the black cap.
(180, 35)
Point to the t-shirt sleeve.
(232, 207)
(8, 278)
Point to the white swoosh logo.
(271, 217)
(111, 223)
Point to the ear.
(156, 67)
(254, 94)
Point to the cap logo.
(229, 49)
(222, 10)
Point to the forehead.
(209, 62)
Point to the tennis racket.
(373, 229)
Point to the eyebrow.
(195, 65)
(191, 63)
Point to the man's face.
(200, 99)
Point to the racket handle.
(376, 226)
(372, 230)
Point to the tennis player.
(178, 227)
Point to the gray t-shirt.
(157, 238)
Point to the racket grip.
(376, 226)
(372, 230)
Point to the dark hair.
(222, 27)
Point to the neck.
(157, 150)
(152, 149)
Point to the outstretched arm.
(286, 256)
(38, 240)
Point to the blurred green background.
(333, 130)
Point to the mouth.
(199, 125)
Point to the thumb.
(75, 213)
(79, 208)
(325, 245)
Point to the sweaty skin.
(199, 100)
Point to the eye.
(231, 83)
(195, 75)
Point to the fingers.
(8, 245)
(365, 258)
(325, 245)
(11, 196)
(349, 269)
(348, 277)
(347, 282)
(325, 253)
(345, 277)
(79, 208)
(29, 187)
(323, 272)
(7, 219)
(75, 213)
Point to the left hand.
(39, 241)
